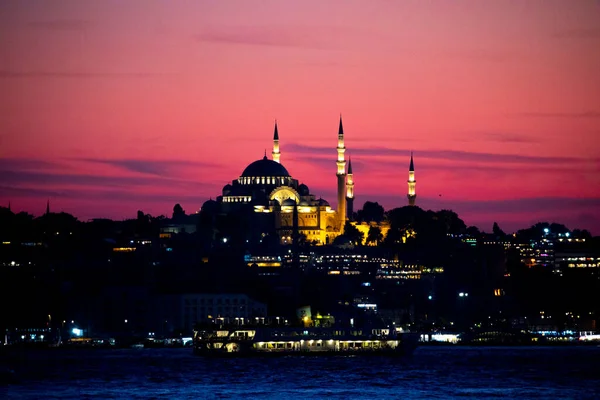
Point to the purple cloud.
(584, 114)
(306, 37)
(579, 33)
(24, 178)
(28, 164)
(451, 155)
(75, 25)
(151, 167)
(8, 74)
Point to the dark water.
(430, 373)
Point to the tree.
(581, 234)
(473, 231)
(178, 212)
(371, 212)
(353, 234)
(374, 235)
(499, 233)
(453, 224)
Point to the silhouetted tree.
(353, 234)
(582, 234)
(473, 231)
(374, 235)
(498, 233)
(538, 230)
(371, 212)
(178, 212)
(453, 224)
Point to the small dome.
(209, 206)
(322, 202)
(265, 167)
(303, 190)
(304, 203)
(227, 189)
(288, 202)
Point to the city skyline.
(115, 107)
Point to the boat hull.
(403, 346)
(280, 354)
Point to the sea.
(447, 372)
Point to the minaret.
(349, 191)
(276, 154)
(341, 178)
(48, 207)
(412, 194)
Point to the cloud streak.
(450, 155)
(151, 167)
(580, 33)
(508, 138)
(27, 164)
(584, 114)
(535, 204)
(9, 74)
(70, 25)
(118, 195)
(23, 178)
(261, 36)
(304, 37)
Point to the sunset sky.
(107, 107)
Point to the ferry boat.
(288, 341)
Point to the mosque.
(265, 186)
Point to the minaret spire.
(341, 177)
(48, 207)
(276, 154)
(349, 191)
(412, 193)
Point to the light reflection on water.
(432, 372)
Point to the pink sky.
(108, 107)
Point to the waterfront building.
(184, 311)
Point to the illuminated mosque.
(265, 186)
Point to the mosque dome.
(322, 202)
(227, 189)
(304, 203)
(288, 202)
(303, 190)
(265, 167)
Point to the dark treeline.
(55, 267)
